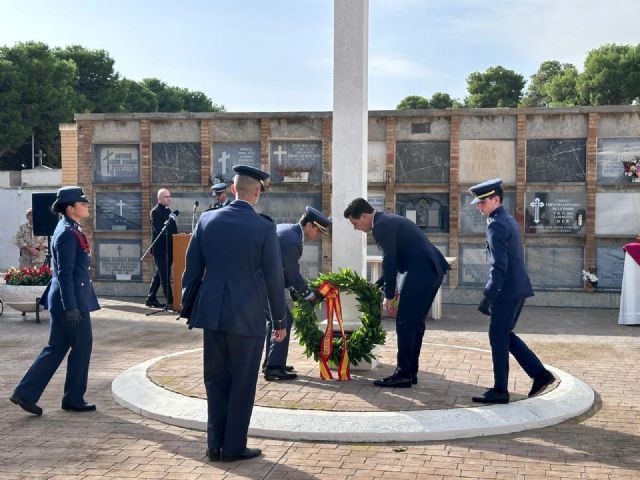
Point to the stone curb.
(571, 398)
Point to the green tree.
(496, 87)
(413, 102)
(563, 88)
(97, 84)
(137, 97)
(170, 99)
(611, 75)
(538, 94)
(441, 100)
(196, 101)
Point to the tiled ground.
(116, 443)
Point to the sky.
(277, 55)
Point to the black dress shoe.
(278, 373)
(82, 407)
(213, 454)
(26, 405)
(153, 303)
(394, 382)
(541, 382)
(492, 396)
(248, 453)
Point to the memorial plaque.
(471, 220)
(484, 159)
(226, 155)
(376, 161)
(116, 164)
(618, 213)
(310, 261)
(429, 211)
(119, 211)
(610, 265)
(184, 203)
(552, 213)
(611, 153)
(287, 207)
(422, 162)
(377, 202)
(555, 267)
(119, 260)
(296, 161)
(556, 160)
(473, 265)
(175, 163)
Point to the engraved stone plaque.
(119, 211)
(116, 164)
(555, 267)
(118, 260)
(611, 153)
(310, 260)
(556, 160)
(377, 202)
(226, 155)
(429, 211)
(610, 265)
(296, 161)
(471, 220)
(473, 265)
(422, 162)
(618, 213)
(552, 213)
(175, 163)
(481, 160)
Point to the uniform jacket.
(508, 279)
(239, 280)
(71, 286)
(159, 215)
(405, 248)
(290, 238)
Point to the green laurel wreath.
(359, 343)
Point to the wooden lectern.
(180, 244)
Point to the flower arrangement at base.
(30, 276)
(361, 342)
(632, 168)
(589, 276)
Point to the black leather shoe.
(541, 383)
(278, 373)
(213, 454)
(248, 453)
(153, 303)
(394, 382)
(26, 405)
(83, 407)
(492, 396)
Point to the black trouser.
(161, 276)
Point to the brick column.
(390, 166)
(265, 132)
(145, 185)
(69, 153)
(205, 152)
(590, 240)
(84, 175)
(327, 168)
(521, 170)
(454, 193)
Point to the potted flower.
(632, 169)
(23, 286)
(294, 173)
(589, 276)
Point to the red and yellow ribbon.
(332, 299)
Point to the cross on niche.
(223, 160)
(40, 156)
(121, 204)
(280, 152)
(537, 205)
(119, 250)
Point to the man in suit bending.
(405, 249)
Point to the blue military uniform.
(70, 289)
(217, 189)
(290, 238)
(235, 284)
(406, 249)
(505, 292)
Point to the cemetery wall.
(562, 171)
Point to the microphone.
(172, 216)
(195, 205)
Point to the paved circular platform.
(169, 388)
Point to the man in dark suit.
(504, 295)
(162, 249)
(405, 249)
(234, 286)
(220, 194)
(291, 237)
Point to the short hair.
(499, 193)
(245, 184)
(305, 218)
(61, 208)
(162, 190)
(357, 207)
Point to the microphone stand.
(166, 260)
(193, 218)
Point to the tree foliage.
(496, 87)
(413, 102)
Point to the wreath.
(360, 343)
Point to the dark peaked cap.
(69, 195)
(253, 172)
(485, 189)
(219, 187)
(319, 219)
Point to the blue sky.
(276, 55)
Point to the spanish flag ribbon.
(332, 299)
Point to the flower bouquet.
(632, 168)
(28, 276)
(589, 276)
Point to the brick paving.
(116, 443)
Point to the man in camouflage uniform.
(33, 248)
